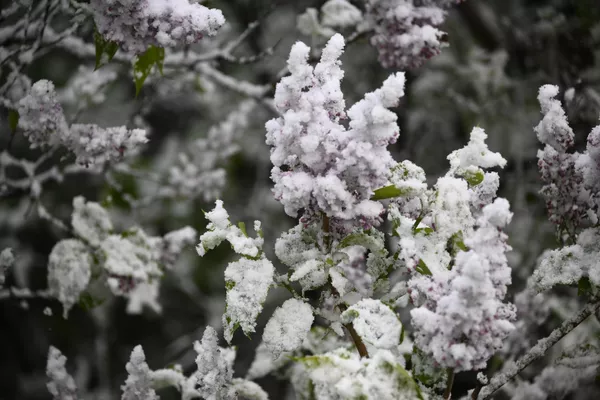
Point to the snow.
(220, 229)
(69, 271)
(90, 221)
(376, 323)
(248, 283)
(138, 385)
(288, 327)
(61, 385)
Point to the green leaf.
(372, 240)
(389, 192)
(104, 47)
(422, 268)
(584, 286)
(144, 63)
(13, 120)
(88, 302)
(242, 227)
(474, 178)
(456, 243)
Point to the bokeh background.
(499, 53)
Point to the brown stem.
(449, 384)
(358, 343)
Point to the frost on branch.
(319, 165)
(69, 271)
(572, 371)
(406, 31)
(138, 24)
(341, 374)
(61, 385)
(247, 280)
(376, 323)
(288, 327)
(138, 385)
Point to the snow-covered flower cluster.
(138, 24)
(42, 120)
(131, 263)
(470, 322)
(567, 201)
(319, 165)
(572, 192)
(455, 252)
(406, 31)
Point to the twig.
(538, 351)
(449, 384)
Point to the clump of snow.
(288, 327)
(61, 385)
(69, 271)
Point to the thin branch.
(24, 294)
(539, 350)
